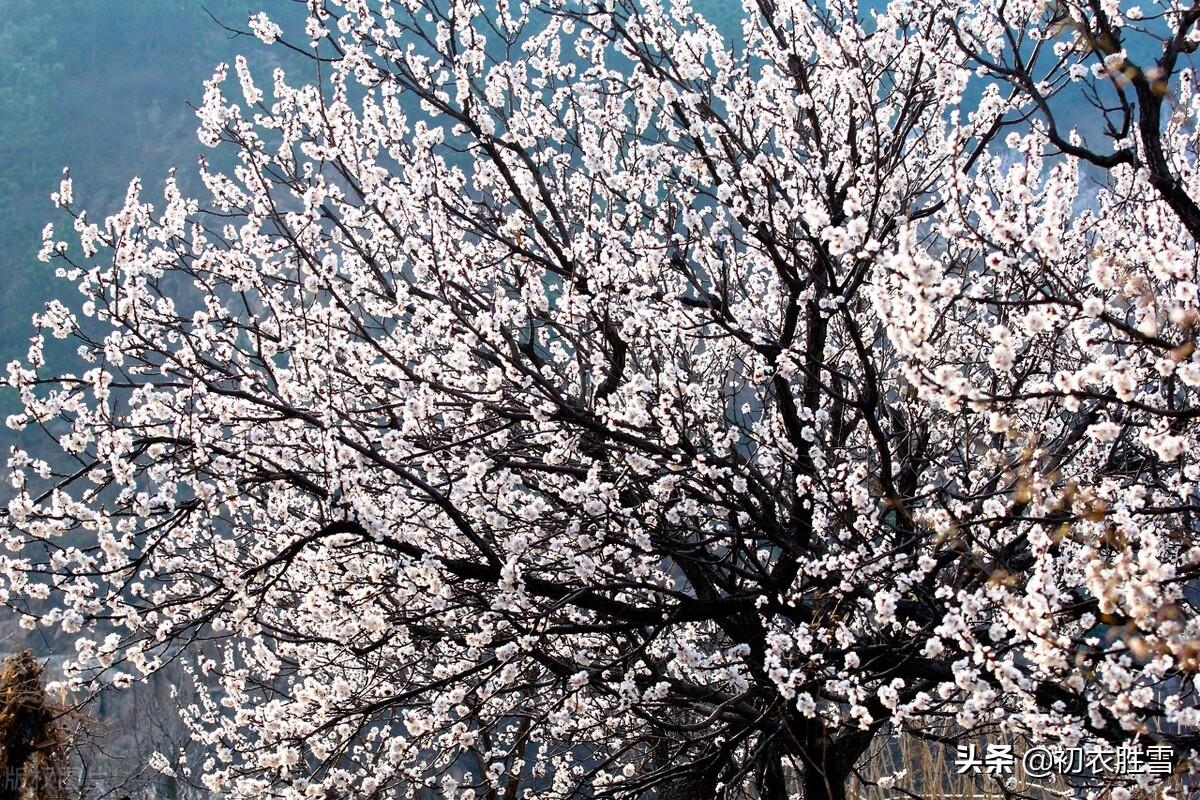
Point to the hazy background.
(102, 86)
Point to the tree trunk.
(825, 785)
(829, 762)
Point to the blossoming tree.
(559, 400)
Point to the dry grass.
(32, 746)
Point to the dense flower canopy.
(568, 399)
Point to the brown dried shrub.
(33, 750)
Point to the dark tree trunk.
(825, 785)
(774, 781)
(829, 762)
